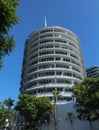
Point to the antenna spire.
(45, 22)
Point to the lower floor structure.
(66, 119)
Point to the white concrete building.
(53, 60)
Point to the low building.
(93, 72)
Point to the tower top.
(45, 22)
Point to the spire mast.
(45, 22)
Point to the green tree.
(44, 107)
(87, 97)
(9, 102)
(8, 18)
(2, 114)
(33, 109)
(6, 112)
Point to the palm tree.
(10, 115)
(56, 94)
(9, 102)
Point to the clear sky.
(80, 16)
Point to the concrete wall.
(65, 123)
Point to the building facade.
(52, 60)
(93, 72)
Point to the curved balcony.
(52, 59)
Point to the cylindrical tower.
(52, 59)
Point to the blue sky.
(80, 16)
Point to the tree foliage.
(9, 102)
(6, 111)
(33, 108)
(8, 18)
(87, 97)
